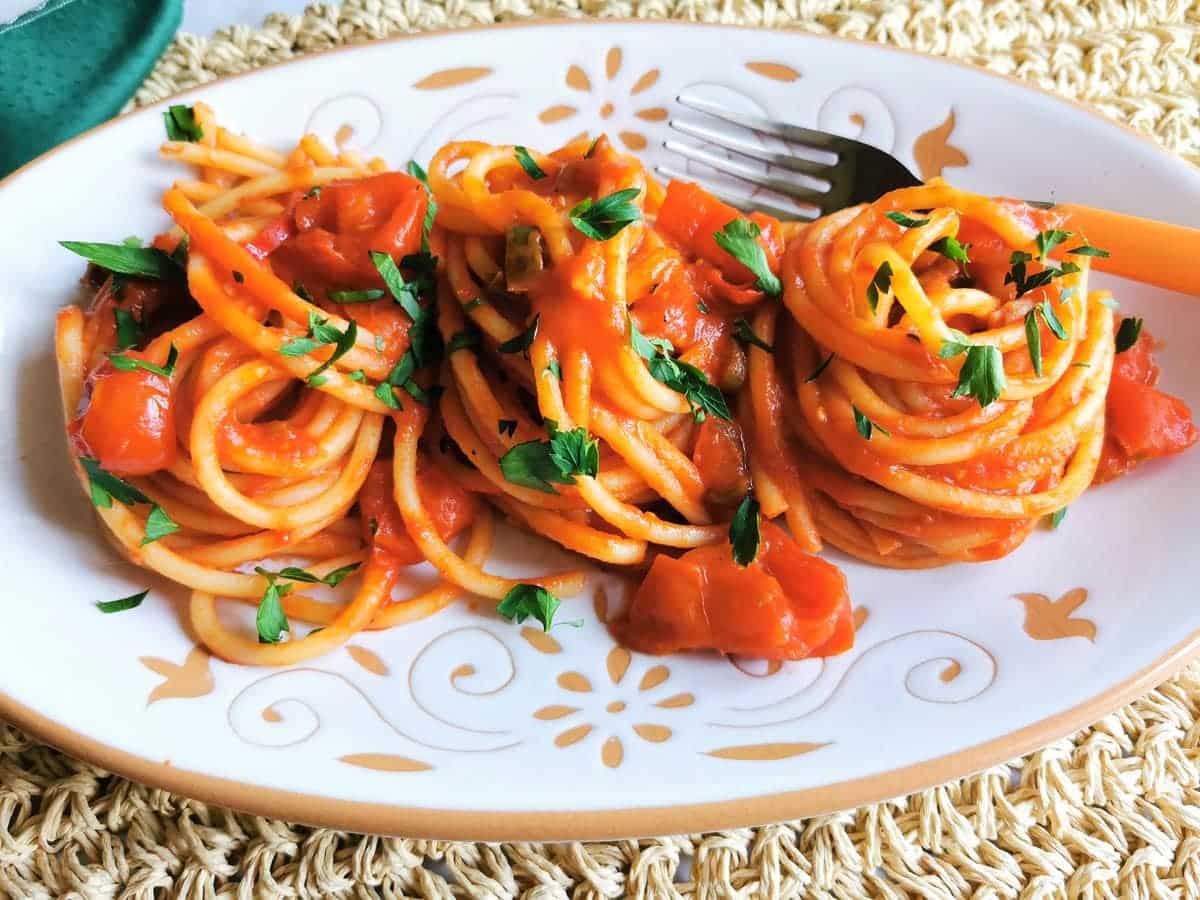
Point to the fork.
(844, 172)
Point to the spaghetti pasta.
(327, 360)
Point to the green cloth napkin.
(71, 64)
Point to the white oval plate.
(466, 727)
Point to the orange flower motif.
(612, 751)
(579, 80)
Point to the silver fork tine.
(746, 204)
(745, 173)
(818, 140)
(782, 160)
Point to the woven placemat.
(1113, 811)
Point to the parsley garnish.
(181, 124)
(473, 303)
(951, 249)
(141, 262)
(461, 341)
(534, 464)
(415, 170)
(532, 169)
(129, 363)
(158, 525)
(270, 620)
(313, 192)
(554, 369)
(532, 600)
(507, 426)
(739, 238)
(744, 535)
(106, 487)
(1026, 283)
(405, 293)
(422, 396)
(133, 601)
(179, 255)
(604, 218)
(865, 426)
(129, 329)
(1128, 333)
(1033, 333)
(1048, 240)
(291, 573)
(1088, 250)
(1055, 518)
(646, 347)
(744, 333)
(357, 375)
(320, 332)
(356, 296)
(424, 338)
(816, 373)
(881, 283)
(703, 307)
(702, 396)
(982, 372)
(521, 342)
(387, 396)
(906, 221)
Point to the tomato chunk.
(126, 421)
(1142, 422)
(691, 216)
(720, 455)
(787, 604)
(324, 240)
(450, 507)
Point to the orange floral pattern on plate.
(612, 751)
(577, 79)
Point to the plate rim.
(596, 825)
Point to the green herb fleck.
(816, 373)
(739, 238)
(905, 221)
(532, 169)
(521, 342)
(158, 525)
(605, 218)
(1128, 333)
(744, 333)
(181, 124)
(865, 426)
(133, 601)
(881, 283)
(532, 601)
(744, 534)
(129, 363)
(534, 464)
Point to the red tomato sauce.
(450, 507)
(323, 241)
(1142, 422)
(787, 604)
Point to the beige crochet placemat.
(1113, 811)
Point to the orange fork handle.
(1157, 253)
